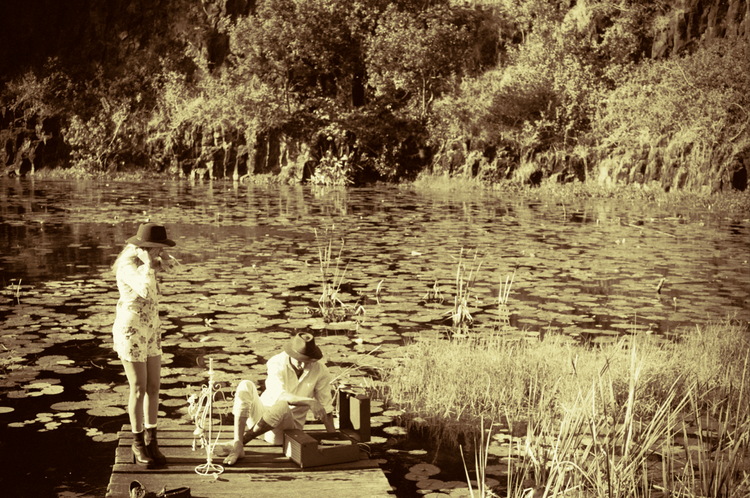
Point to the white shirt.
(315, 382)
(138, 306)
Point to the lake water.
(251, 277)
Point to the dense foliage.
(343, 91)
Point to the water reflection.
(601, 250)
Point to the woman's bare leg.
(136, 372)
(153, 382)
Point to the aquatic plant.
(502, 300)
(18, 292)
(481, 455)
(333, 171)
(721, 455)
(8, 359)
(460, 315)
(446, 182)
(451, 384)
(433, 295)
(378, 290)
(590, 449)
(13, 291)
(681, 450)
(332, 309)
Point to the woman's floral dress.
(137, 332)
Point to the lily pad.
(106, 411)
(424, 469)
(395, 430)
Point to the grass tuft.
(604, 420)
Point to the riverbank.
(518, 93)
(730, 204)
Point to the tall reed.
(331, 307)
(460, 315)
(615, 421)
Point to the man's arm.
(317, 408)
(313, 404)
(328, 422)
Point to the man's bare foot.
(223, 449)
(237, 452)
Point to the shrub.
(704, 95)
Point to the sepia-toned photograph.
(374, 248)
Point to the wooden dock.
(264, 472)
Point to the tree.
(412, 56)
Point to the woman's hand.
(166, 262)
(155, 253)
(149, 256)
(144, 256)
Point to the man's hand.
(328, 422)
(317, 409)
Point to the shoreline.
(730, 204)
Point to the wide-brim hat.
(302, 348)
(151, 235)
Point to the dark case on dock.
(312, 449)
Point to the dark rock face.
(692, 22)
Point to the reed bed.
(637, 417)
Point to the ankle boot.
(140, 452)
(153, 447)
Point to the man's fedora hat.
(302, 348)
(151, 235)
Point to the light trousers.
(247, 403)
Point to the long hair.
(127, 256)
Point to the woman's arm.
(138, 279)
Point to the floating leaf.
(424, 469)
(44, 389)
(432, 484)
(105, 438)
(395, 430)
(393, 413)
(70, 405)
(106, 411)
(95, 387)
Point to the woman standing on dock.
(137, 334)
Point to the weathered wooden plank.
(226, 428)
(185, 451)
(255, 456)
(265, 471)
(277, 463)
(169, 439)
(360, 484)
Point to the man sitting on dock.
(297, 382)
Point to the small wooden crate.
(319, 448)
(312, 449)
